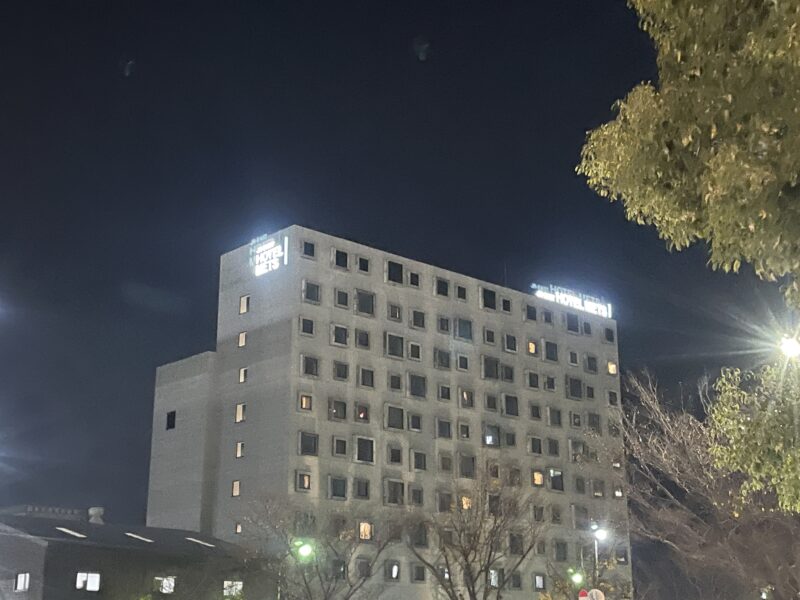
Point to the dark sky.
(139, 141)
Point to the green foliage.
(755, 423)
(712, 151)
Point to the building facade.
(348, 376)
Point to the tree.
(321, 556)
(756, 423)
(712, 151)
(483, 533)
(681, 498)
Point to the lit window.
(22, 582)
(465, 502)
(556, 480)
(303, 481)
(71, 532)
(365, 530)
(171, 416)
(242, 339)
(164, 585)
(242, 374)
(240, 412)
(237, 529)
(618, 493)
(392, 570)
(362, 413)
(539, 583)
(236, 488)
(537, 478)
(306, 402)
(612, 367)
(232, 588)
(88, 581)
(532, 347)
(244, 304)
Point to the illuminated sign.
(268, 254)
(590, 304)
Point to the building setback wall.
(21, 553)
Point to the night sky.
(139, 141)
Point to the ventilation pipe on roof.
(96, 515)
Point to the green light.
(305, 550)
(577, 578)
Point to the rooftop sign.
(268, 254)
(576, 300)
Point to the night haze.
(140, 141)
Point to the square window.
(488, 336)
(339, 335)
(241, 342)
(413, 279)
(340, 259)
(442, 287)
(362, 339)
(363, 264)
(309, 249)
(414, 422)
(302, 481)
(441, 359)
(418, 319)
(555, 417)
(444, 392)
(445, 463)
(395, 382)
(365, 303)
(394, 312)
(573, 357)
(240, 412)
(309, 444)
(337, 488)
(414, 351)
(530, 312)
(366, 377)
(463, 362)
(337, 410)
(418, 573)
(533, 380)
(305, 402)
(244, 304)
(535, 412)
(395, 417)
(395, 492)
(171, 417)
(443, 325)
(444, 429)
(306, 326)
(341, 371)
(311, 292)
(362, 413)
(491, 402)
(393, 345)
(395, 456)
(463, 329)
(394, 272)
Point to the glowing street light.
(304, 549)
(577, 578)
(600, 534)
(790, 346)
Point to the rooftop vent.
(96, 515)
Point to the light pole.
(600, 535)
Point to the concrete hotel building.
(346, 374)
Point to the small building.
(64, 554)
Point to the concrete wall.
(20, 553)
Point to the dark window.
(309, 249)
(551, 351)
(445, 463)
(443, 325)
(417, 385)
(536, 445)
(491, 402)
(342, 299)
(548, 317)
(312, 292)
(561, 551)
(574, 388)
(309, 444)
(445, 502)
(580, 485)
(573, 358)
(418, 319)
(593, 423)
(515, 543)
(530, 312)
(506, 305)
(337, 409)
(394, 272)
(467, 466)
(506, 372)
(415, 422)
(307, 326)
(171, 419)
(395, 456)
(395, 492)
(489, 298)
(612, 398)
(552, 447)
(394, 345)
(444, 392)
(417, 496)
(461, 292)
(550, 383)
(609, 335)
(533, 380)
(363, 264)
(442, 287)
(365, 450)
(367, 377)
(573, 323)
(441, 359)
(556, 480)
(536, 411)
(310, 366)
(587, 328)
(491, 368)
(339, 447)
(362, 338)
(338, 487)
(590, 392)
(512, 405)
(418, 572)
(467, 398)
(555, 417)
(340, 258)
(591, 364)
(395, 418)
(340, 370)
(444, 429)
(463, 329)
(488, 336)
(413, 279)
(395, 382)
(340, 335)
(365, 302)
(420, 461)
(463, 362)
(511, 343)
(511, 438)
(361, 488)
(575, 419)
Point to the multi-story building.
(346, 374)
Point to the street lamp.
(790, 346)
(304, 549)
(600, 535)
